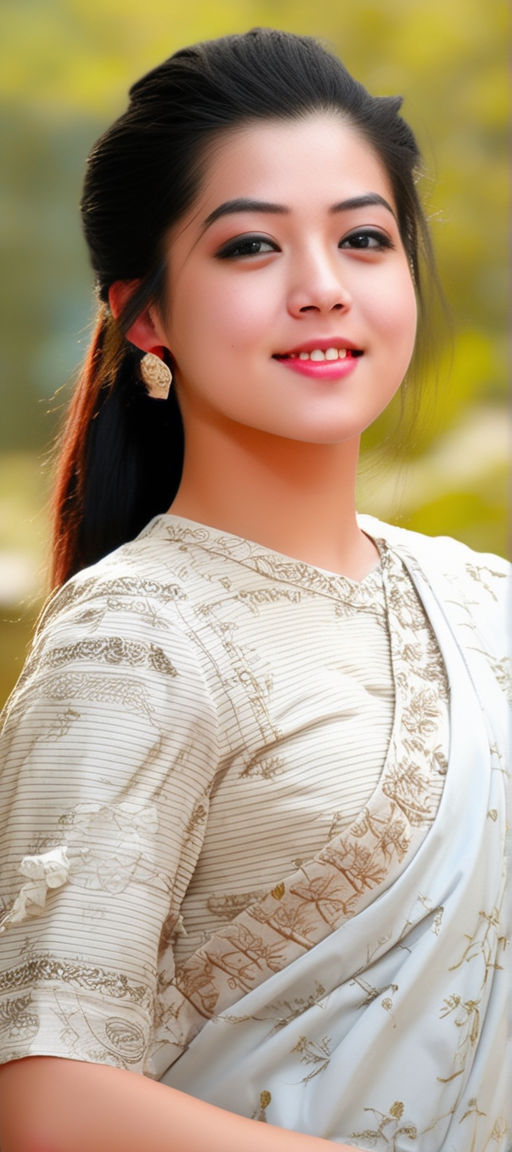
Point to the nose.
(318, 285)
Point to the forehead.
(318, 158)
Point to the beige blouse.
(199, 715)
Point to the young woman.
(254, 771)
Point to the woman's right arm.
(49, 1104)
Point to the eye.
(366, 240)
(244, 246)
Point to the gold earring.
(156, 375)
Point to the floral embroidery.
(103, 1036)
(113, 650)
(125, 1038)
(265, 1102)
(130, 694)
(280, 569)
(16, 1019)
(115, 985)
(61, 724)
(88, 590)
(267, 767)
(315, 1052)
(485, 944)
(481, 576)
(228, 906)
(391, 1127)
(262, 932)
(345, 875)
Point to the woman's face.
(291, 305)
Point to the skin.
(270, 454)
(53, 1105)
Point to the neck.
(296, 498)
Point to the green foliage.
(65, 69)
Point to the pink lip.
(321, 369)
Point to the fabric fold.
(48, 871)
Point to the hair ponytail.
(121, 455)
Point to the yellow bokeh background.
(65, 69)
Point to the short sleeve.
(108, 753)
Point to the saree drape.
(384, 1023)
(362, 998)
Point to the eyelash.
(382, 240)
(243, 247)
(235, 247)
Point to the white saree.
(363, 995)
(365, 998)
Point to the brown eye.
(366, 240)
(246, 246)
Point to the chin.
(331, 432)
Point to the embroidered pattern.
(147, 1020)
(392, 1126)
(115, 985)
(344, 876)
(113, 650)
(314, 1052)
(130, 694)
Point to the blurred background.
(65, 69)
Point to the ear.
(146, 332)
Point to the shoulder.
(142, 568)
(116, 631)
(443, 556)
(474, 588)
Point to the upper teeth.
(329, 354)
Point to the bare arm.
(54, 1105)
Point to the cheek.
(410, 320)
(397, 314)
(213, 335)
(230, 311)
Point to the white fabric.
(394, 1030)
(181, 693)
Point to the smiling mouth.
(318, 354)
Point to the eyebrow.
(242, 205)
(368, 200)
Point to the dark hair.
(122, 452)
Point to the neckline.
(252, 553)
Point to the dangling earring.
(156, 375)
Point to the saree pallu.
(384, 1025)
